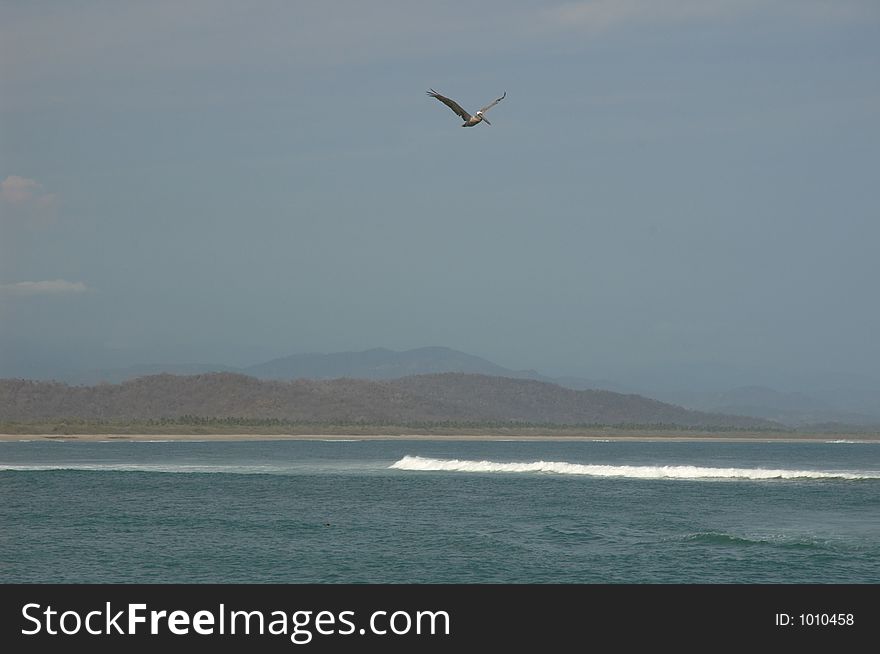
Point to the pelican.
(469, 121)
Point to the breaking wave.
(636, 472)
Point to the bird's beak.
(486, 121)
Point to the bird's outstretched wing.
(452, 104)
(492, 104)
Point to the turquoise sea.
(373, 511)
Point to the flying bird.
(469, 121)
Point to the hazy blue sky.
(667, 182)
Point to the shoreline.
(672, 437)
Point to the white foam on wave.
(853, 442)
(419, 463)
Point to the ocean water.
(366, 511)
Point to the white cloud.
(26, 199)
(20, 190)
(50, 287)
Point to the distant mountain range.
(376, 364)
(380, 363)
(841, 404)
(433, 398)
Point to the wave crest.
(419, 463)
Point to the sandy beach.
(621, 436)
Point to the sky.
(667, 183)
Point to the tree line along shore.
(193, 426)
